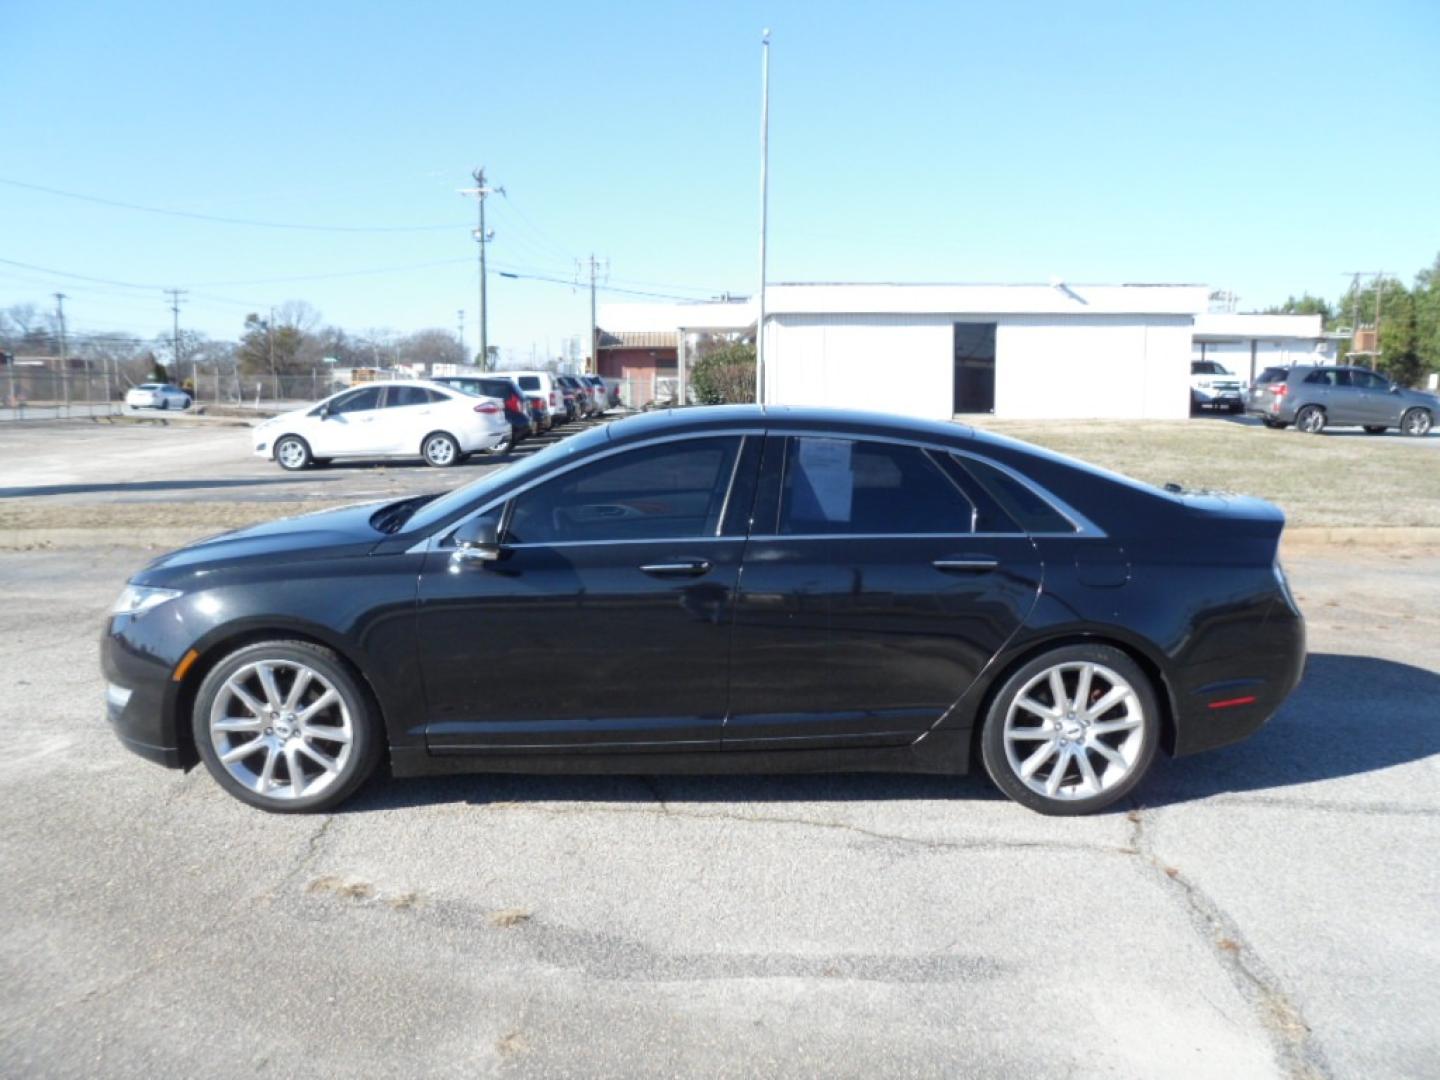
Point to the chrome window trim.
(730, 486)
(1084, 527)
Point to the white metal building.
(1038, 351)
(1247, 344)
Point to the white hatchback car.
(386, 419)
(154, 395)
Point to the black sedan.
(749, 590)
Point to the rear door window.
(1019, 501)
(836, 487)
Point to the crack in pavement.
(664, 809)
(1329, 806)
(1292, 1039)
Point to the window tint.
(1321, 377)
(500, 388)
(530, 382)
(1033, 513)
(1273, 374)
(836, 486)
(369, 398)
(670, 490)
(407, 395)
(1367, 380)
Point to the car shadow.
(1350, 715)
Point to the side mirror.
(478, 540)
(1394, 388)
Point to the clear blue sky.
(927, 142)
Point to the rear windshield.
(529, 382)
(1273, 374)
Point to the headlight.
(136, 600)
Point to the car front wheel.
(1310, 420)
(440, 450)
(1417, 422)
(292, 453)
(285, 726)
(1072, 731)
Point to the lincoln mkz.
(747, 590)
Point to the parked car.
(539, 414)
(502, 388)
(1315, 397)
(1212, 386)
(440, 424)
(154, 395)
(574, 397)
(890, 617)
(602, 393)
(543, 385)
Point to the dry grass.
(1332, 480)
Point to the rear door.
(877, 583)
(406, 418)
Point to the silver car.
(1313, 398)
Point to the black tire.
(1375, 429)
(1145, 730)
(164, 404)
(292, 453)
(440, 450)
(357, 760)
(1310, 420)
(1417, 422)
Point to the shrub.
(725, 377)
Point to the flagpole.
(764, 209)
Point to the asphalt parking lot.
(1263, 910)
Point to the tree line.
(288, 340)
(1409, 339)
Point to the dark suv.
(1312, 397)
(502, 388)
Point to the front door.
(877, 584)
(348, 427)
(605, 624)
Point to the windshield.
(433, 513)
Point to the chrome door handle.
(688, 568)
(966, 566)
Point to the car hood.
(342, 532)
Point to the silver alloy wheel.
(281, 729)
(1417, 422)
(439, 450)
(1312, 421)
(292, 454)
(1075, 730)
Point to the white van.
(541, 384)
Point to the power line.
(249, 222)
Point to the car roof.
(784, 418)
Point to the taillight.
(1281, 390)
(487, 407)
(513, 403)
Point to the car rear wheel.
(1072, 731)
(1417, 422)
(1374, 429)
(164, 403)
(1310, 420)
(440, 450)
(285, 726)
(292, 453)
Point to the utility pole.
(270, 342)
(594, 327)
(479, 191)
(764, 209)
(460, 328)
(175, 295)
(60, 299)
